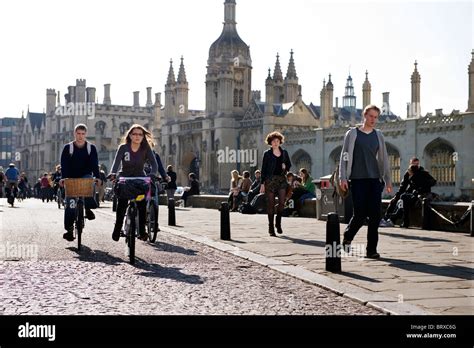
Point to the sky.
(50, 43)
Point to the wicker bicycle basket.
(79, 187)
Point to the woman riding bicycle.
(132, 154)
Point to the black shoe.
(69, 235)
(346, 245)
(116, 232)
(278, 224)
(374, 255)
(89, 214)
(271, 228)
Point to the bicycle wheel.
(131, 235)
(79, 223)
(152, 222)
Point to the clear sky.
(50, 43)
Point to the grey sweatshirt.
(345, 163)
(131, 163)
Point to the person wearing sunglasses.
(132, 154)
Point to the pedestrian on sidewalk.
(171, 187)
(276, 163)
(364, 168)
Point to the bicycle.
(135, 189)
(152, 211)
(78, 189)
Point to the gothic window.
(236, 97)
(124, 128)
(100, 127)
(241, 98)
(334, 158)
(394, 161)
(442, 160)
(301, 159)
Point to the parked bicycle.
(78, 189)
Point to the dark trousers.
(409, 201)
(70, 210)
(367, 202)
(122, 209)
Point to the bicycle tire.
(152, 222)
(79, 223)
(131, 236)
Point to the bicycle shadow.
(173, 273)
(86, 254)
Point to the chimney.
(90, 91)
(136, 99)
(439, 112)
(149, 103)
(386, 103)
(107, 100)
(157, 99)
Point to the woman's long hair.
(235, 176)
(147, 139)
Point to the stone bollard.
(333, 244)
(225, 221)
(426, 214)
(171, 212)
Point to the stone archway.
(301, 159)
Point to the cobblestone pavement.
(40, 273)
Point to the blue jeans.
(367, 202)
(69, 213)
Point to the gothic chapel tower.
(229, 70)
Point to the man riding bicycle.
(78, 160)
(12, 174)
(132, 154)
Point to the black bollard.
(333, 244)
(472, 219)
(425, 214)
(225, 221)
(171, 212)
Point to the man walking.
(364, 167)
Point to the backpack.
(247, 208)
(71, 148)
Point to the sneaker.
(374, 255)
(69, 235)
(386, 223)
(89, 214)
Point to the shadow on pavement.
(450, 271)
(88, 255)
(171, 248)
(404, 236)
(359, 277)
(317, 243)
(158, 271)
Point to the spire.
(415, 93)
(269, 79)
(415, 77)
(182, 73)
(277, 74)
(366, 91)
(171, 78)
(470, 101)
(329, 85)
(291, 73)
(229, 13)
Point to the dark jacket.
(255, 188)
(194, 187)
(405, 182)
(172, 183)
(269, 162)
(420, 182)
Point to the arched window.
(236, 97)
(241, 98)
(335, 158)
(441, 162)
(394, 161)
(124, 128)
(301, 159)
